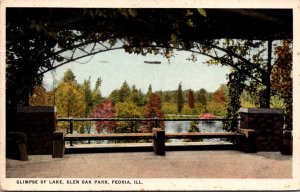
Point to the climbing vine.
(236, 86)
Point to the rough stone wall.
(268, 125)
(38, 123)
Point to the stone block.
(38, 123)
(159, 141)
(287, 143)
(58, 144)
(16, 146)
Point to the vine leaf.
(202, 12)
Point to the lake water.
(183, 126)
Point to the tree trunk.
(268, 80)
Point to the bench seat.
(194, 135)
(111, 136)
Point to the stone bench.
(59, 138)
(16, 146)
(245, 140)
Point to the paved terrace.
(175, 164)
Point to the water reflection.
(180, 127)
(183, 126)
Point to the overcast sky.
(114, 67)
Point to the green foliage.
(96, 94)
(202, 97)
(124, 93)
(169, 108)
(193, 128)
(127, 110)
(179, 98)
(127, 94)
(216, 109)
(149, 90)
(236, 86)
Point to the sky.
(114, 67)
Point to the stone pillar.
(58, 144)
(38, 123)
(159, 141)
(287, 145)
(16, 146)
(267, 124)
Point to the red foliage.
(191, 101)
(153, 109)
(104, 110)
(219, 97)
(207, 116)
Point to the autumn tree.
(191, 101)
(127, 110)
(152, 110)
(39, 97)
(105, 109)
(179, 98)
(282, 82)
(70, 102)
(219, 97)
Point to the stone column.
(267, 124)
(159, 141)
(58, 144)
(38, 123)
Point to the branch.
(76, 58)
(238, 57)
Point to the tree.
(149, 90)
(137, 96)
(70, 102)
(202, 97)
(127, 110)
(104, 110)
(39, 97)
(193, 128)
(114, 96)
(179, 98)
(152, 110)
(124, 92)
(86, 89)
(69, 76)
(96, 94)
(92, 98)
(281, 78)
(50, 37)
(221, 95)
(191, 101)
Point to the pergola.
(46, 33)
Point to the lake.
(183, 126)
